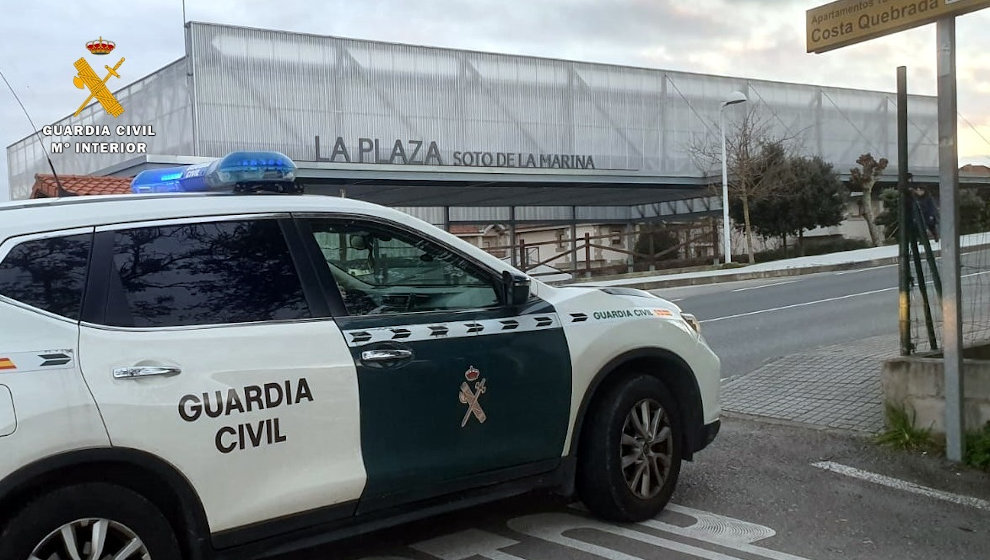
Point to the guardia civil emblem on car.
(471, 398)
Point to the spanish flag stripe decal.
(6, 363)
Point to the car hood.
(636, 296)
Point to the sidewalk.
(834, 386)
(875, 256)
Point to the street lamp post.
(732, 99)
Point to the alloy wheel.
(646, 448)
(91, 539)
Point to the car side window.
(381, 269)
(48, 274)
(203, 273)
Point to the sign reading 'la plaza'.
(846, 22)
(419, 152)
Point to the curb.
(859, 434)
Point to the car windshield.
(378, 259)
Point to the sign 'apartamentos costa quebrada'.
(846, 22)
(420, 152)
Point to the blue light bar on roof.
(235, 172)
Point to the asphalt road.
(750, 322)
(754, 494)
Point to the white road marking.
(863, 269)
(764, 286)
(467, 544)
(903, 485)
(733, 538)
(792, 306)
(552, 526)
(817, 301)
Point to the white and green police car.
(234, 376)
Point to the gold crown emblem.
(101, 46)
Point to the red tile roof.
(971, 169)
(460, 229)
(79, 185)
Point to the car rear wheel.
(630, 454)
(89, 521)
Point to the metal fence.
(649, 247)
(925, 266)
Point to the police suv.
(215, 375)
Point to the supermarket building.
(461, 138)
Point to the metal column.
(904, 215)
(513, 257)
(630, 246)
(574, 264)
(948, 173)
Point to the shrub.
(978, 448)
(836, 245)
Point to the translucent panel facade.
(261, 89)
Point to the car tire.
(615, 454)
(47, 526)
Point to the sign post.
(948, 175)
(904, 213)
(846, 22)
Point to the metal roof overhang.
(418, 185)
(404, 185)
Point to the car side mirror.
(516, 288)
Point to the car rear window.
(48, 274)
(204, 273)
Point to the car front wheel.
(630, 453)
(89, 521)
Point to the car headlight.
(692, 321)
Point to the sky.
(760, 39)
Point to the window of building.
(384, 270)
(206, 273)
(48, 274)
(615, 234)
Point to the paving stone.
(836, 386)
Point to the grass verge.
(978, 448)
(901, 432)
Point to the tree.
(890, 200)
(663, 240)
(763, 213)
(812, 196)
(756, 160)
(863, 180)
(819, 197)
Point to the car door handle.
(385, 355)
(145, 371)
